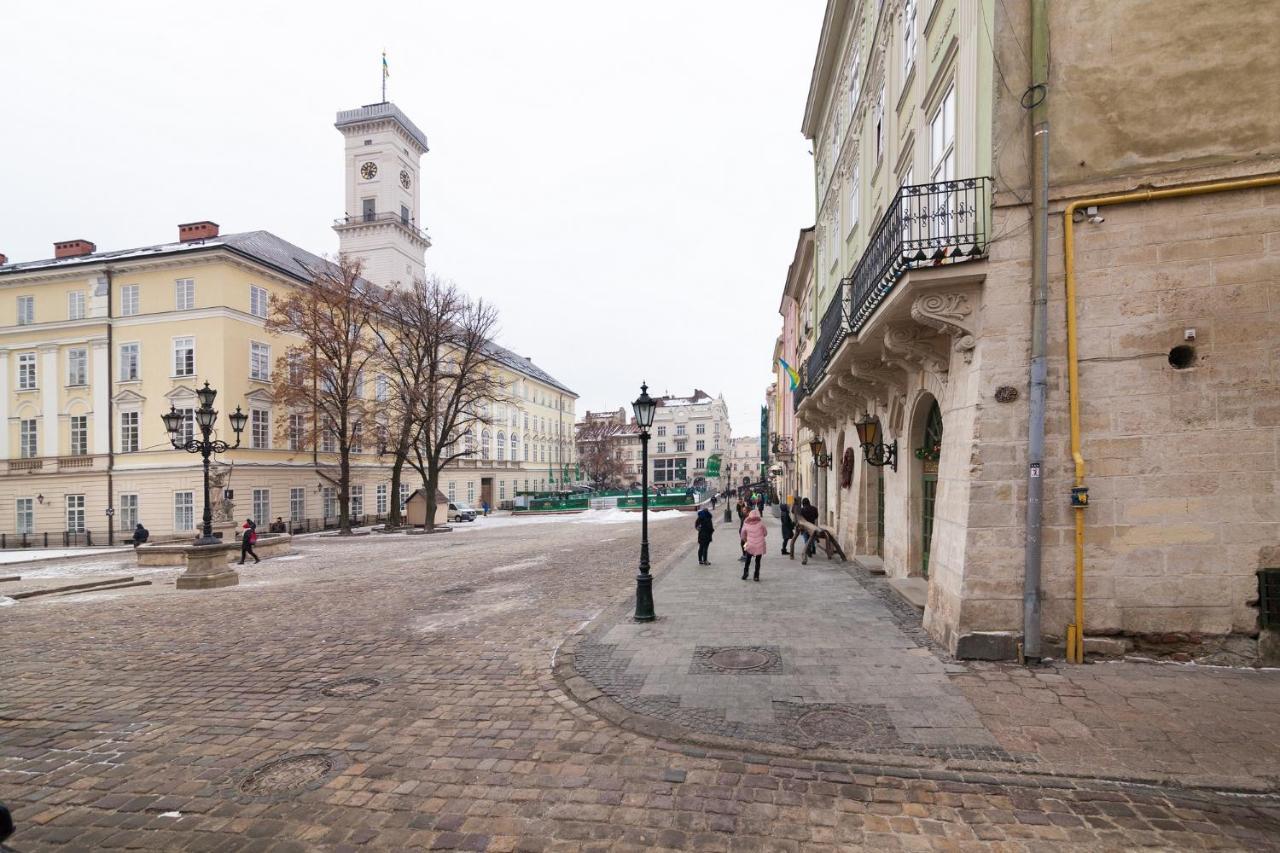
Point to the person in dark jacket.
(788, 526)
(809, 513)
(247, 539)
(705, 529)
(140, 535)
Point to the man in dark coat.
(140, 535)
(705, 530)
(788, 527)
(809, 513)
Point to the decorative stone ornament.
(949, 313)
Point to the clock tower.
(382, 223)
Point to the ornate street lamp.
(818, 448)
(875, 451)
(206, 416)
(644, 408)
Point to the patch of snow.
(523, 564)
(591, 516)
(290, 557)
(6, 601)
(26, 555)
(170, 814)
(75, 570)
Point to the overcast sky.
(625, 180)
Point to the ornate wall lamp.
(818, 448)
(875, 451)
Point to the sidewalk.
(824, 660)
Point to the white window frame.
(259, 428)
(261, 501)
(75, 304)
(130, 356)
(909, 40)
(26, 310)
(75, 513)
(259, 361)
(28, 377)
(130, 428)
(127, 516)
(28, 438)
(297, 428)
(78, 435)
(355, 503)
(184, 510)
(129, 301)
(187, 343)
(77, 367)
(187, 431)
(380, 386)
(259, 300)
(942, 138)
(184, 294)
(24, 515)
(879, 124)
(380, 498)
(297, 504)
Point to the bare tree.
(319, 381)
(600, 453)
(444, 366)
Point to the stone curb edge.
(676, 738)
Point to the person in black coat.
(247, 539)
(705, 528)
(788, 527)
(140, 535)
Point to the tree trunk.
(393, 511)
(344, 491)
(432, 484)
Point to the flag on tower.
(385, 71)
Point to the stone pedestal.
(207, 568)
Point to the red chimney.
(73, 248)
(193, 231)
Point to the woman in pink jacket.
(753, 536)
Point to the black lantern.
(644, 408)
(205, 417)
(818, 448)
(875, 451)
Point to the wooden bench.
(820, 536)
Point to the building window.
(502, 445)
(26, 310)
(404, 215)
(130, 362)
(329, 437)
(700, 429)
(369, 208)
(880, 123)
(471, 491)
(660, 431)
(404, 495)
(700, 444)
(184, 294)
(297, 369)
(184, 511)
(908, 39)
(853, 203)
(128, 512)
(699, 463)
(26, 371)
(680, 429)
(942, 139)
(75, 305)
(680, 445)
(515, 447)
(668, 470)
(357, 501)
(380, 498)
(453, 491)
(261, 505)
(485, 448)
(27, 446)
(380, 388)
(128, 304)
(188, 431)
(257, 301)
(25, 513)
(75, 513)
(297, 504)
(259, 361)
(296, 427)
(260, 429)
(855, 82)
(502, 490)
(329, 502)
(78, 366)
(357, 437)
(184, 356)
(79, 435)
(129, 432)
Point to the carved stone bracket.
(951, 314)
(909, 345)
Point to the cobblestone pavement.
(396, 693)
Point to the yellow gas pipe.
(1075, 631)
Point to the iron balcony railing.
(373, 218)
(801, 390)
(926, 225)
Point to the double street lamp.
(644, 408)
(205, 417)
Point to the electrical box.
(1080, 496)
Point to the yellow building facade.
(96, 346)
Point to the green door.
(879, 549)
(929, 453)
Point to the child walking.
(753, 536)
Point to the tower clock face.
(369, 171)
(404, 179)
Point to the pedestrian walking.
(247, 538)
(713, 501)
(484, 505)
(753, 537)
(809, 513)
(703, 524)
(788, 527)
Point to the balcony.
(926, 225)
(381, 219)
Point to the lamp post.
(644, 408)
(206, 416)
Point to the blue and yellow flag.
(791, 374)
(385, 71)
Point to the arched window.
(486, 447)
(502, 445)
(515, 447)
(526, 447)
(469, 443)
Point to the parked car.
(459, 512)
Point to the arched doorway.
(929, 452)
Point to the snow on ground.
(5, 601)
(26, 555)
(591, 516)
(75, 570)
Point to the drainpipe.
(1075, 631)
(111, 420)
(1039, 326)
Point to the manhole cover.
(286, 775)
(830, 725)
(351, 687)
(740, 659)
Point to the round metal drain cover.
(741, 659)
(350, 688)
(830, 725)
(286, 775)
